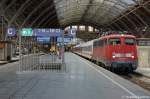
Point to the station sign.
(27, 32)
(11, 32)
(48, 32)
(43, 39)
(66, 39)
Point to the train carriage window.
(114, 41)
(96, 43)
(101, 43)
(130, 41)
(105, 42)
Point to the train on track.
(114, 52)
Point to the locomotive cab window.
(130, 41)
(114, 41)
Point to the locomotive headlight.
(113, 56)
(132, 56)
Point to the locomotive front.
(123, 52)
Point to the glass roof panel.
(128, 2)
(99, 1)
(101, 10)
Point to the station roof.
(115, 14)
(98, 12)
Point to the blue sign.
(66, 39)
(43, 39)
(48, 32)
(11, 32)
(36, 32)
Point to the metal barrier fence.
(41, 62)
(28, 62)
(34, 60)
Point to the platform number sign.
(27, 32)
(72, 32)
(11, 32)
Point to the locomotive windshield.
(130, 41)
(114, 41)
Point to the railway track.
(139, 79)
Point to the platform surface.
(81, 80)
(144, 71)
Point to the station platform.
(3, 62)
(81, 80)
(144, 71)
(14, 59)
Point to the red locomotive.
(115, 51)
